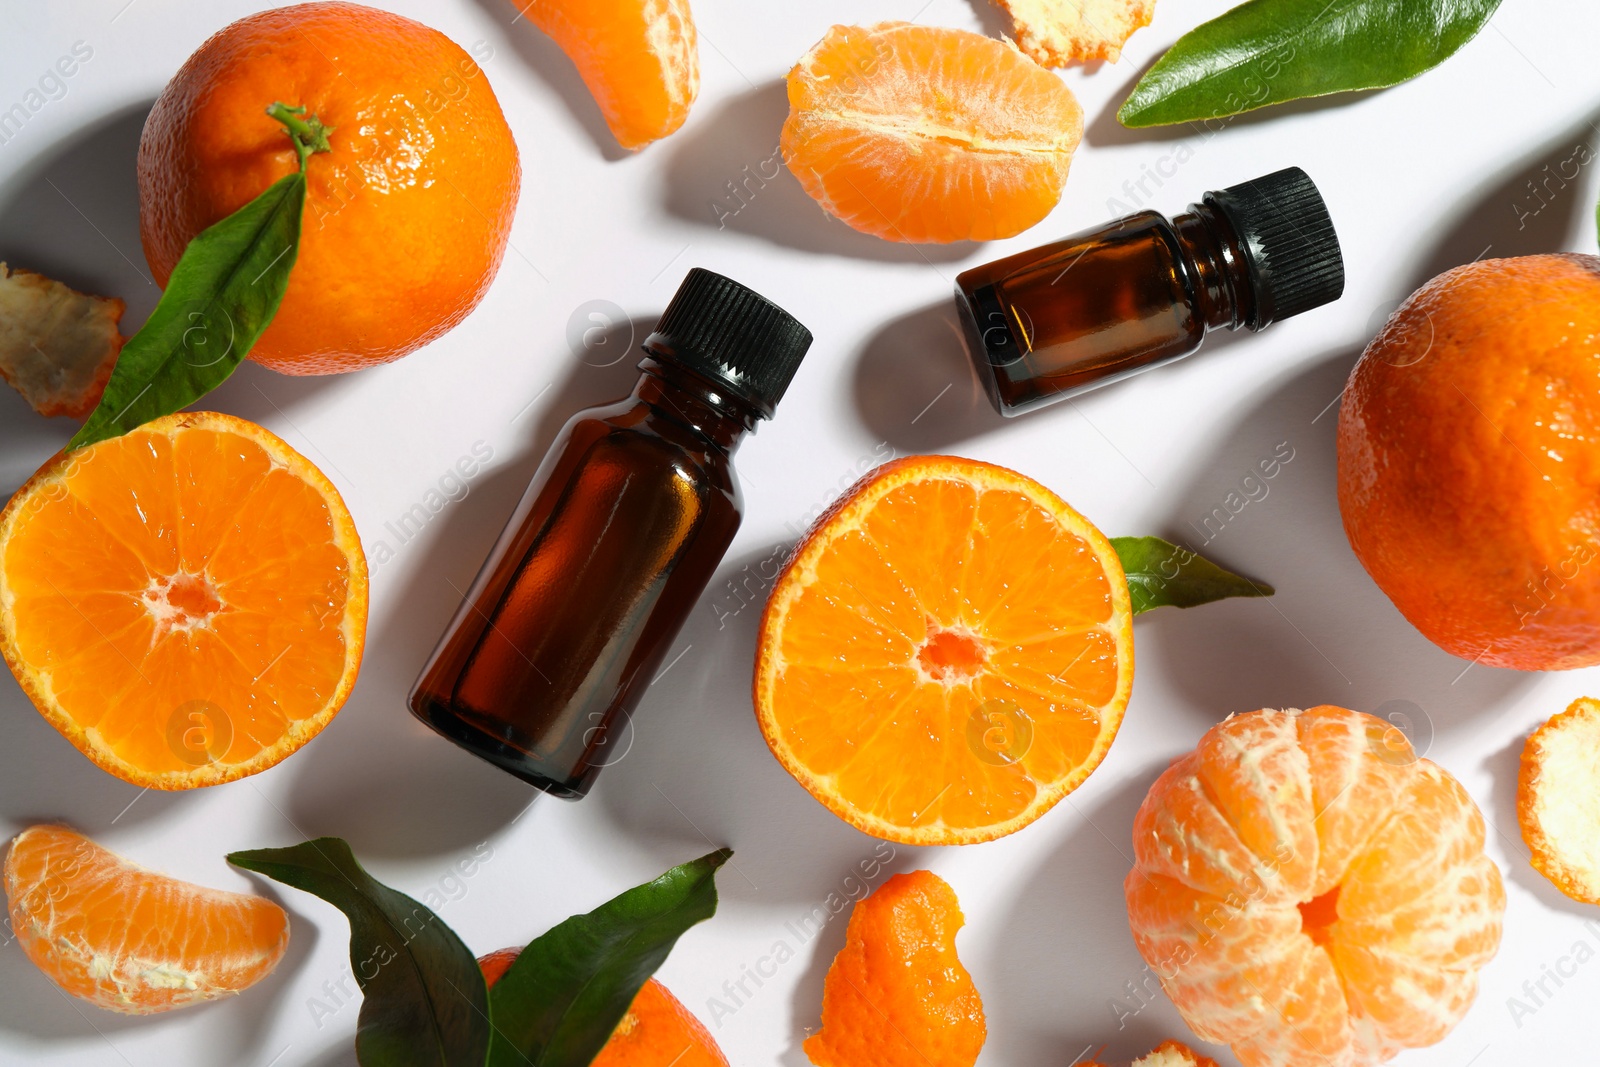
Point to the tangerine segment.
(922, 134)
(130, 940)
(639, 58)
(897, 995)
(1556, 786)
(1310, 891)
(947, 654)
(186, 603)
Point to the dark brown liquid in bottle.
(569, 620)
(1102, 305)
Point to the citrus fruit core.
(950, 655)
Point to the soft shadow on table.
(338, 1056)
(43, 778)
(546, 59)
(1055, 974)
(820, 951)
(915, 387)
(1509, 218)
(1329, 635)
(72, 213)
(699, 775)
(725, 171)
(377, 776)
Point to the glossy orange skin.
(897, 994)
(657, 1031)
(1469, 453)
(407, 217)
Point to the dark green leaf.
(425, 1001)
(558, 1003)
(1161, 574)
(1269, 51)
(223, 292)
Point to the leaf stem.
(307, 132)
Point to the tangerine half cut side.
(186, 603)
(947, 654)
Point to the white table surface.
(1419, 178)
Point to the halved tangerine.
(947, 654)
(186, 603)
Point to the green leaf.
(1270, 51)
(559, 1002)
(223, 292)
(1162, 574)
(425, 1001)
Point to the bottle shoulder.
(634, 435)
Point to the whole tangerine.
(406, 218)
(1469, 451)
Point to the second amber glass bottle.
(614, 541)
(1144, 290)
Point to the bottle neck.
(1223, 289)
(694, 401)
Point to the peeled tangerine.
(1556, 807)
(1311, 892)
(922, 134)
(639, 58)
(130, 940)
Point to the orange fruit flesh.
(657, 1031)
(1309, 894)
(639, 58)
(186, 603)
(897, 994)
(948, 653)
(131, 940)
(915, 133)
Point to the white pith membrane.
(181, 603)
(1565, 803)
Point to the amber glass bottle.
(614, 541)
(1144, 290)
